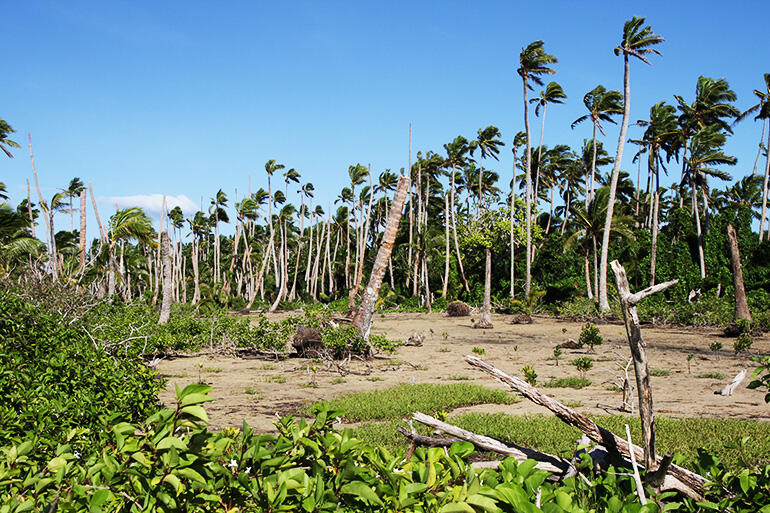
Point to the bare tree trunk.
(362, 319)
(528, 198)
(411, 214)
(48, 217)
(654, 252)
(196, 277)
(741, 305)
(454, 232)
(486, 314)
(512, 240)
(168, 292)
(82, 248)
(446, 247)
(29, 212)
(701, 256)
(587, 266)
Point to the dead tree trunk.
(168, 292)
(362, 319)
(628, 304)
(82, 264)
(741, 306)
(678, 478)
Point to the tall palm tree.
(601, 105)
(659, 135)
(72, 190)
(124, 226)
(533, 63)
(271, 166)
(218, 213)
(520, 139)
(762, 111)
(456, 152)
(637, 41)
(553, 93)
(5, 143)
(488, 144)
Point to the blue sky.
(184, 98)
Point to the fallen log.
(730, 387)
(685, 481)
(547, 462)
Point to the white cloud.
(152, 203)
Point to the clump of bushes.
(458, 309)
(590, 336)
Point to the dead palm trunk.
(512, 240)
(528, 198)
(446, 247)
(168, 292)
(362, 319)
(82, 248)
(48, 218)
(486, 313)
(696, 213)
(196, 277)
(741, 305)
(587, 267)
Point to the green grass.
(267, 366)
(403, 400)
(660, 372)
(712, 375)
(252, 391)
(571, 382)
(338, 380)
(551, 435)
(458, 377)
(277, 378)
(213, 370)
(374, 378)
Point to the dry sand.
(281, 387)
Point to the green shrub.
(590, 336)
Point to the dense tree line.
(548, 228)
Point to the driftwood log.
(678, 478)
(730, 387)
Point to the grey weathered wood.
(730, 387)
(628, 304)
(741, 305)
(548, 462)
(683, 480)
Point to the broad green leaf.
(191, 399)
(361, 490)
(197, 412)
(171, 441)
(56, 464)
(173, 481)
(190, 474)
(457, 507)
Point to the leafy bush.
(590, 336)
(55, 382)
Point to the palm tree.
(126, 225)
(762, 110)
(660, 134)
(456, 152)
(5, 143)
(601, 105)
(58, 203)
(705, 153)
(488, 143)
(17, 244)
(553, 93)
(218, 213)
(271, 166)
(533, 62)
(72, 190)
(637, 41)
(520, 139)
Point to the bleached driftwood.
(678, 478)
(548, 462)
(730, 387)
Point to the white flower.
(233, 464)
(248, 470)
(77, 455)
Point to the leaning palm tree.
(553, 93)
(601, 105)
(762, 111)
(533, 63)
(72, 190)
(637, 41)
(5, 143)
(126, 225)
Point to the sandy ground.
(255, 390)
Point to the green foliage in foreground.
(171, 462)
(54, 380)
(403, 400)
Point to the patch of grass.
(479, 350)
(613, 388)
(443, 349)
(339, 380)
(255, 392)
(660, 372)
(712, 375)
(374, 378)
(458, 377)
(685, 436)
(276, 378)
(571, 382)
(268, 366)
(403, 400)
(605, 359)
(179, 375)
(573, 404)
(310, 385)
(213, 370)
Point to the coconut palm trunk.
(765, 191)
(528, 198)
(454, 233)
(168, 291)
(446, 247)
(82, 265)
(485, 321)
(362, 319)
